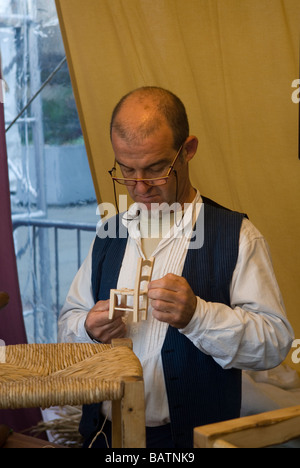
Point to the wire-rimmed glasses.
(152, 182)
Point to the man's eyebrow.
(162, 162)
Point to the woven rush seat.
(44, 375)
(66, 373)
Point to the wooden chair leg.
(136, 307)
(112, 303)
(133, 414)
(123, 302)
(128, 417)
(116, 428)
(128, 414)
(144, 307)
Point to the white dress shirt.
(252, 334)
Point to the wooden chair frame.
(139, 310)
(128, 414)
(128, 417)
(258, 431)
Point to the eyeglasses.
(152, 182)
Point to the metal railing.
(41, 263)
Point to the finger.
(164, 316)
(112, 331)
(118, 331)
(170, 281)
(101, 317)
(101, 306)
(162, 305)
(115, 323)
(118, 314)
(162, 294)
(159, 284)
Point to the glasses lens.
(155, 182)
(124, 181)
(132, 182)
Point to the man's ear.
(190, 148)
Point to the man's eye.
(150, 173)
(128, 172)
(156, 171)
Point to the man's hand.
(100, 327)
(173, 300)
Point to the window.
(52, 194)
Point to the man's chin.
(158, 205)
(149, 203)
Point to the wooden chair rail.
(258, 431)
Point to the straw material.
(44, 359)
(64, 374)
(64, 429)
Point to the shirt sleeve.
(254, 333)
(78, 303)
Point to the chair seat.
(45, 375)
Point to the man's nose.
(141, 187)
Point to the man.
(215, 307)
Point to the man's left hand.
(173, 300)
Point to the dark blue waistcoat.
(199, 391)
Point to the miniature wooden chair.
(258, 431)
(140, 291)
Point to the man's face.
(151, 158)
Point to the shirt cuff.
(77, 333)
(191, 331)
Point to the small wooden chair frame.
(139, 310)
(258, 431)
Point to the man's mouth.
(148, 199)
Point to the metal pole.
(38, 139)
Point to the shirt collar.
(183, 222)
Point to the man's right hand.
(100, 327)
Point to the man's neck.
(187, 196)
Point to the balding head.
(144, 111)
